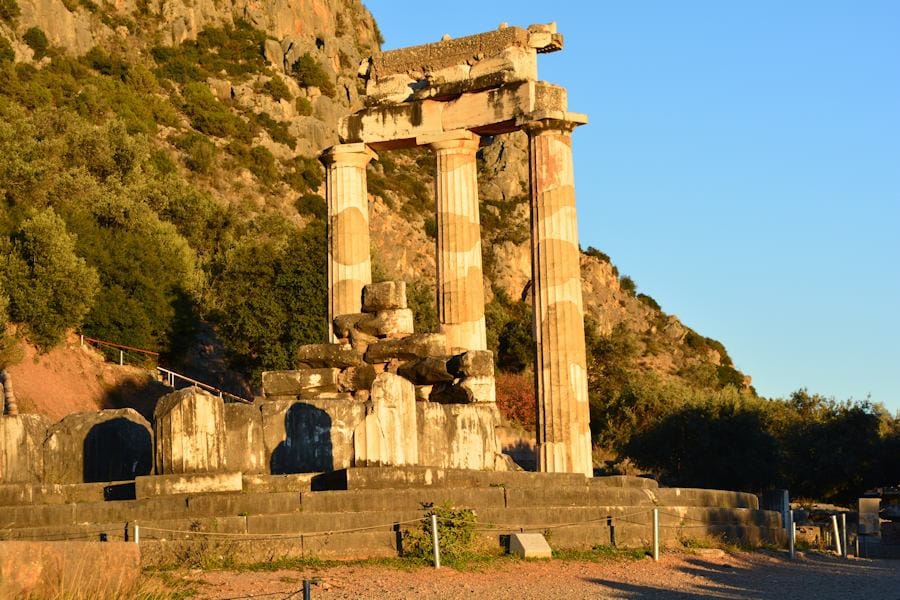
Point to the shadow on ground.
(761, 576)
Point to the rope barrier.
(276, 536)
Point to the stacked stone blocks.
(388, 396)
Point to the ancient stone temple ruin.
(448, 96)
(378, 421)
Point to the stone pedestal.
(563, 416)
(189, 427)
(349, 260)
(460, 283)
(21, 448)
(102, 446)
(387, 435)
(459, 436)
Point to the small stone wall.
(102, 446)
(190, 432)
(22, 448)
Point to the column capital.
(358, 154)
(551, 120)
(462, 140)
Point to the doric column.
(563, 415)
(349, 259)
(460, 284)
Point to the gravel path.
(709, 574)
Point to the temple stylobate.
(446, 96)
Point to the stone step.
(499, 520)
(405, 477)
(354, 501)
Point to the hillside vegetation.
(159, 188)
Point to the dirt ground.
(706, 574)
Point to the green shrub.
(106, 64)
(162, 162)
(303, 174)
(237, 50)
(272, 296)
(7, 54)
(456, 533)
(627, 285)
(516, 346)
(649, 301)
(9, 11)
(431, 227)
(312, 205)
(309, 73)
(256, 159)
(304, 106)
(601, 256)
(277, 130)
(277, 89)
(421, 299)
(210, 116)
(50, 287)
(200, 152)
(37, 41)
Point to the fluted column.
(460, 282)
(563, 415)
(349, 259)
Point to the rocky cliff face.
(301, 114)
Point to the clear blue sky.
(742, 164)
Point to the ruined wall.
(107, 445)
(190, 433)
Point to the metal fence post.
(137, 533)
(435, 542)
(837, 535)
(121, 358)
(791, 533)
(655, 534)
(844, 548)
(307, 589)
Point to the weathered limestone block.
(356, 378)
(386, 295)
(427, 371)
(451, 393)
(244, 447)
(512, 64)
(190, 432)
(187, 483)
(335, 356)
(529, 545)
(459, 436)
(474, 363)
(22, 448)
(386, 436)
(107, 445)
(303, 382)
(310, 435)
(383, 323)
(417, 345)
(480, 388)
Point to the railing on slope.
(166, 376)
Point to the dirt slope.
(70, 379)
